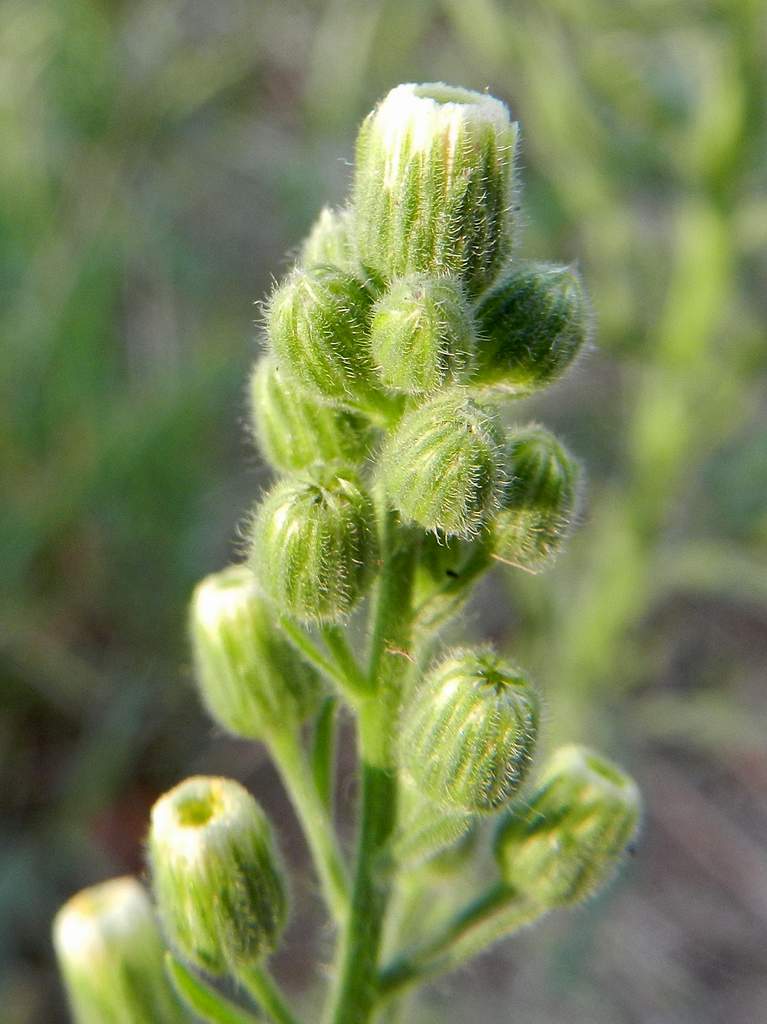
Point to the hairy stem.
(312, 812)
(265, 991)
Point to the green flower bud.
(294, 430)
(318, 323)
(251, 680)
(422, 334)
(314, 544)
(330, 242)
(567, 840)
(468, 732)
(539, 503)
(433, 184)
(110, 953)
(216, 878)
(533, 323)
(442, 465)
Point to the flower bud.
(216, 878)
(422, 334)
(314, 545)
(110, 953)
(442, 465)
(567, 840)
(538, 505)
(294, 430)
(468, 731)
(250, 678)
(433, 184)
(533, 323)
(318, 323)
(330, 242)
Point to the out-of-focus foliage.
(156, 160)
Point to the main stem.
(355, 992)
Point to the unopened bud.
(110, 953)
(294, 430)
(314, 545)
(434, 182)
(215, 874)
(330, 241)
(539, 501)
(533, 323)
(442, 465)
(250, 678)
(468, 731)
(318, 323)
(422, 334)
(568, 838)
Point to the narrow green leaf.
(202, 999)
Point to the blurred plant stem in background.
(156, 161)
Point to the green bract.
(215, 874)
(442, 466)
(317, 323)
(110, 952)
(533, 324)
(330, 242)
(422, 334)
(313, 544)
(294, 430)
(569, 837)
(250, 678)
(433, 184)
(539, 500)
(468, 732)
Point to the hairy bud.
(250, 678)
(318, 323)
(568, 838)
(110, 953)
(294, 430)
(539, 502)
(433, 184)
(330, 241)
(314, 544)
(533, 323)
(215, 874)
(442, 465)
(468, 731)
(422, 334)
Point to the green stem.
(202, 999)
(355, 992)
(297, 777)
(306, 647)
(266, 992)
(323, 754)
(496, 914)
(337, 644)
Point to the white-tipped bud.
(110, 953)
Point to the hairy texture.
(442, 466)
(469, 730)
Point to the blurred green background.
(158, 158)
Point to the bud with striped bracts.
(539, 501)
(215, 874)
(422, 334)
(110, 953)
(330, 241)
(250, 679)
(433, 186)
(317, 323)
(533, 323)
(294, 430)
(442, 465)
(567, 839)
(468, 732)
(314, 544)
